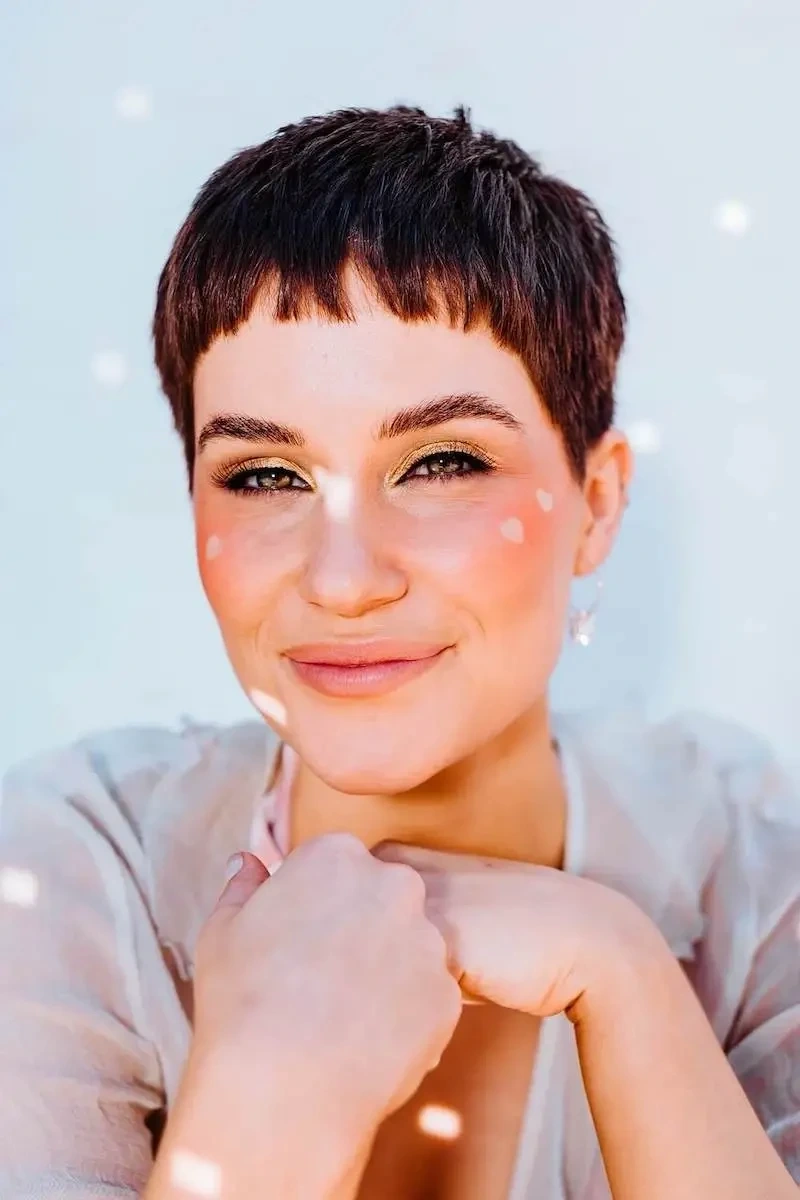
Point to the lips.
(362, 668)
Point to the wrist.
(259, 1124)
(629, 962)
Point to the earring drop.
(583, 621)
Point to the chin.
(371, 776)
(374, 757)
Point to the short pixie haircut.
(440, 220)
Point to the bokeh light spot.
(109, 368)
(213, 546)
(440, 1122)
(512, 530)
(269, 706)
(732, 217)
(195, 1175)
(18, 886)
(644, 437)
(338, 492)
(133, 104)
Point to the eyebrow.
(458, 406)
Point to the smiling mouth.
(362, 670)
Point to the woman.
(390, 343)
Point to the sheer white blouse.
(112, 853)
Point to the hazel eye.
(266, 479)
(446, 464)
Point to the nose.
(350, 569)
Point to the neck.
(507, 800)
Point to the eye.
(443, 465)
(275, 478)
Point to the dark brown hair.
(438, 217)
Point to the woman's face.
(391, 492)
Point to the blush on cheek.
(519, 548)
(526, 551)
(237, 568)
(507, 549)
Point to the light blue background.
(115, 114)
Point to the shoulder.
(131, 827)
(123, 787)
(677, 770)
(108, 777)
(692, 815)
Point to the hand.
(298, 978)
(525, 937)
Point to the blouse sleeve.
(80, 1076)
(763, 1045)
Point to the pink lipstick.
(362, 668)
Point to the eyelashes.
(446, 461)
(439, 465)
(261, 477)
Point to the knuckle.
(337, 844)
(407, 884)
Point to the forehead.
(367, 367)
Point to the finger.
(422, 859)
(414, 856)
(246, 874)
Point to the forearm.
(244, 1143)
(672, 1121)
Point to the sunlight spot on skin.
(269, 706)
(644, 437)
(133, 104)
(544, 499)
(440, 1122)
(213, 546)
(109, 368)
(195, 1175)
(512, 530)
(338, 492)
(732, 217)
(19, 887)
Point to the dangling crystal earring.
(582, 621)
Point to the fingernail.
(233, 866)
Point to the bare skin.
(484, 1077)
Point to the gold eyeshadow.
(418, 455)
(225, 472)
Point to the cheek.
(238, 561)
(503, 559)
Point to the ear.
(609, 471)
